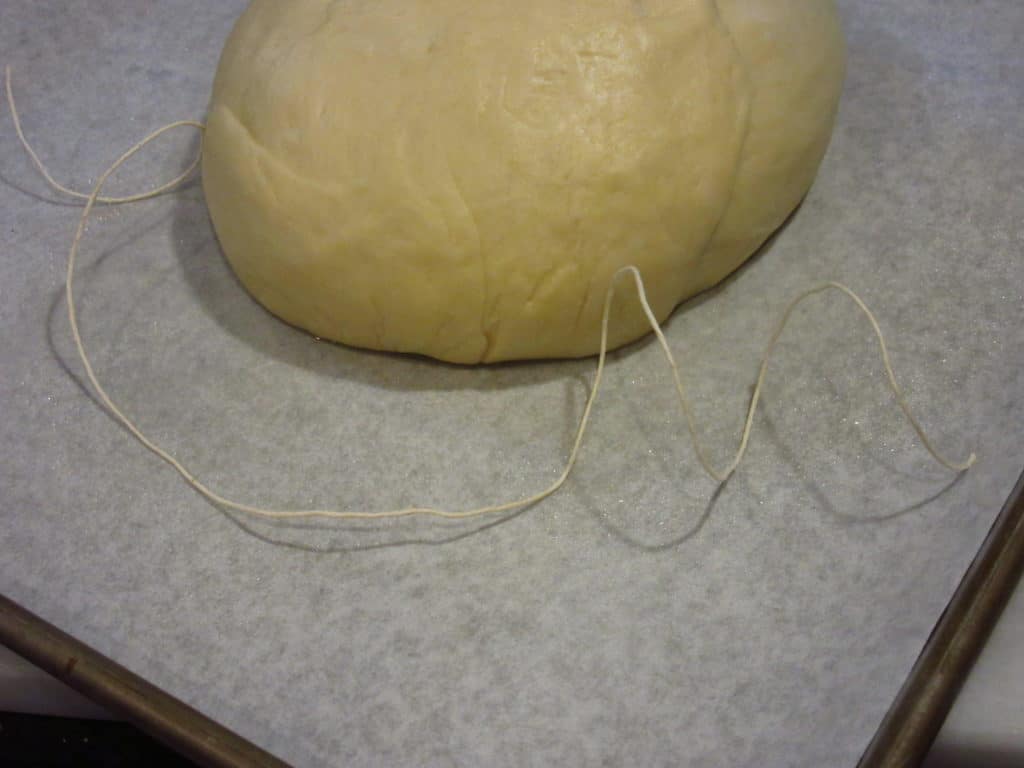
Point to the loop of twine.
(720, 475)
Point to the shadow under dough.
(222, 296)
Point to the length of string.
(720, 475)
(177, 180)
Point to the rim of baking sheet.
(903, 738)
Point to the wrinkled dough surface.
(461, 178)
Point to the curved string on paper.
(177, 180)
(720, 475)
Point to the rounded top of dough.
(462, 178)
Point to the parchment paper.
(638, 617)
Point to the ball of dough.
(462, 178)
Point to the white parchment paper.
(637, 618)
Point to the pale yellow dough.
(461, 178)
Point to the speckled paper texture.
(638, 618)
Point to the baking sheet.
(636, 617)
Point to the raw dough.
(461, 178)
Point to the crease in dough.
(670, 135)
